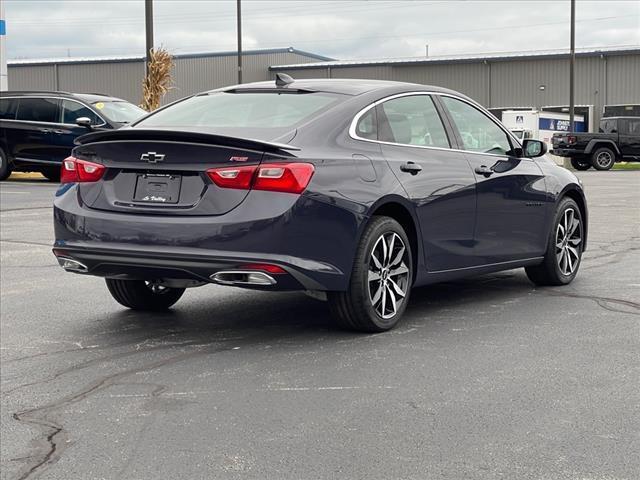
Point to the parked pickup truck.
(618, 139)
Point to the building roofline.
(139, 58)
(473, 58)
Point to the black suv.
(37, 129)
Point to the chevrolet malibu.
(353, 191)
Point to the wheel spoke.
(384, 251)
(575, 241)
(574, 226)
(376, 262)
(376, 296)
(392, 297)
(384, 301)
(573, 251)
(373, 276)
(397, 288)
(398, 257)
(563, 261)
(569, 261)
(390, 251)
(402, 269)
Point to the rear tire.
(603, 158)
(52, 174)
(5, 166)
(142, 295)
(581, 163)
(380, 282)
(564, 247)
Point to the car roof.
(345, 86)
(87, 97)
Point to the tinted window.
(479, 133)
(412, 120)
(242, 110)
(39, 110)
(366, 127)
(8, 108)
(71, 111)
(608, 126)
(633, 126)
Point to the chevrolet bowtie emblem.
(152, 157)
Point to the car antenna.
(282, 80)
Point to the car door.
(629, 135)
(7, 124)
(32, 134)
(66, 131)
(512, 204)
(437, 179)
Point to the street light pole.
(239, 28)
(148, 20)
(572, 63)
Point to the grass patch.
(627, 166)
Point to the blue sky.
(342, 29)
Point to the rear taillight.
(571, 139)
(274, 177)
(76, 170)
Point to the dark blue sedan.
(354, 191)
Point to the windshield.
(121, 112)
(263, 110)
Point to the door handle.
(45, 130)
(484, 170)
(58, 131)
(410, 167)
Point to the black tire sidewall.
(360, 286)
(595, 156)
(5, 167)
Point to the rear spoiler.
(182, 136)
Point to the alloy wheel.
(388, 275)
(604, 159)
(568, 240)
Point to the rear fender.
(597, 143)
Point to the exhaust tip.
(243, 277)
(71, 265)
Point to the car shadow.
(268, 316)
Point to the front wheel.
(580, 163)
(381, 280)
(143, 295)
(564, 250)
(603, 158)
(5, 166)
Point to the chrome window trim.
(361, 113)
(51, 123)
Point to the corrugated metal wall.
(606, 80)
(123, 79)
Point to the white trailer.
(540, 125)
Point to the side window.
(8, 108)
(479, 133)
(412, 120)
(39, 110)
(634, 126)
(72, 110)
(367, 125)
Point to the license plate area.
(157, 188)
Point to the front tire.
(581, 164)
(5, 166)
(380, 282)
(564, 249)
(603, 158)
(143, 295)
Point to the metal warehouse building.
(604, 77)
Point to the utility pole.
(239, 28)
(572, 63)
(148, 20)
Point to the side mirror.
(534, 148)
(84, 122)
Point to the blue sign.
(557, 125)
(3, 27)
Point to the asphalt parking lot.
(487, 378)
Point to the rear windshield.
(263, 110)
(120, 112)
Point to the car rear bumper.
(314, 242)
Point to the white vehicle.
(540, 125)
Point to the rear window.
(39, 110)
(8, 108)
(242, 110)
